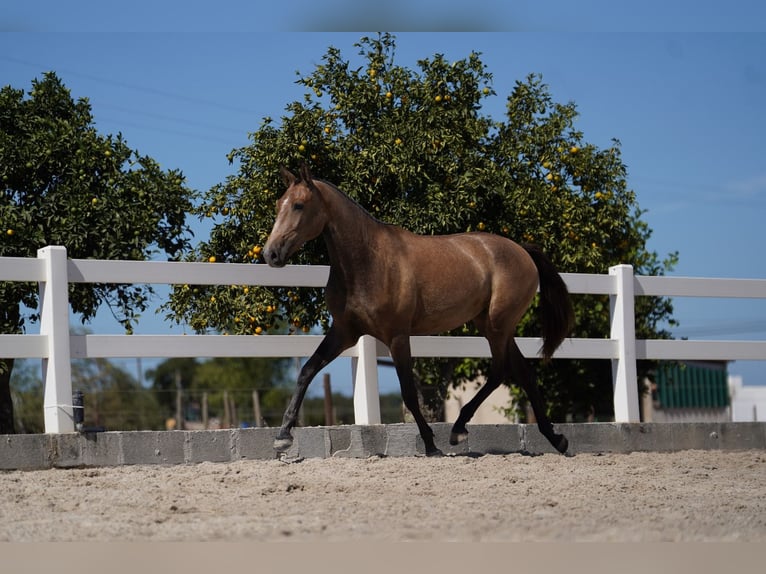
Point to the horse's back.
(452, 279)
(484, 253)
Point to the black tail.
(556, 312)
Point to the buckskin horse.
(390, 283)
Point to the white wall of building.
(748, 403)
(490, 411)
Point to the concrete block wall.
(32, 452)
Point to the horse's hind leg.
(522, 376)
(459, 432)
(497, 374)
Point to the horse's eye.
(297, 206)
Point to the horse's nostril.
(271, 256)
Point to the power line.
(684, 185)
(154, 128)
(144, 89)
(173, 119)
(153, 91)
(676, 187)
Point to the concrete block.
(208, 446)
(582, 437)
(134, 446)
(67, 450)
(533, 442)
(357, 441)
(374, 439)
(137, 447)
(169, 448)
(403, 439)
(659, 437)
(101, 449)
(742, 436)
(494, 439)
(292, 453)
(312, 442)
(339, 440)
(642, 437)
(441, 438)
(586, 438)
(694, 436)
(25, 451)
(442, 433)
(256, 444)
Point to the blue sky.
(684, 93)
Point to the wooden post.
(205, 418)
(226, 411)
(329, 419)
(233, 410)
(257, 409)
(180, 423)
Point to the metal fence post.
(54, 323)
(365, 375)
(623, 330)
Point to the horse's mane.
(347, 197)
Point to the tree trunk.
(10, 322)
(180, 415)
(257, 409)
(6, 403)
(226, 411)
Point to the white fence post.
(623, 330)
(365, 374)
(54, 323)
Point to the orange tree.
(414, 148)
(63, 183)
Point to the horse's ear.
(305, 173)
(287, 176)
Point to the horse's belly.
(447, 312)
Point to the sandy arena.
(647, 497)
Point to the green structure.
(689, 385)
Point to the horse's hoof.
(434, 453)
(562, 444)
(283, 444)
(456, 438)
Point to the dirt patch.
(682, 496)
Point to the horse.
(391, 283)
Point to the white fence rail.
(55, 346)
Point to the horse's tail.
(556, 312)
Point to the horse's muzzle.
(273, 257)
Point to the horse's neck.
(350, 232)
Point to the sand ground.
(645, 497)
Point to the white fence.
(56, 346)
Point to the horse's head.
(300, 217)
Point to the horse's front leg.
(335, 342)
(402, 356)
